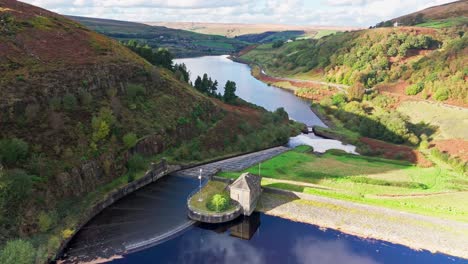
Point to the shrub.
(67, 233)
(46, 221)
(55, 103)
(13, 150)
(69, 102)
(277, 44)
(136, 163)
(339, 99)
(86, 99)
(18, 252)
(414, 89)
(219, 202)
(130, 140)
(424, 144)
(134, 91)
(441, 94)
(356, 92)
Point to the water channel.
(150, 225)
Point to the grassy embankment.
(435, 191)
(200, 200)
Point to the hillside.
(434, 60)
(180, 42)
(82, 115)
(446, 15)
(411, 81)
(450, 10)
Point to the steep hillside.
(434, 61)
(182, 43)
(440, 12)
(81, 115)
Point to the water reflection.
(307, 249)
(319, 144)
(276, 240)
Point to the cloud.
(299, 12)
(327, 252)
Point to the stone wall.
(215, 218)
(157, 171)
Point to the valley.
(107, 126)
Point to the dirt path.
(340, 87)
(412, 230)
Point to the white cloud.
(305, 12)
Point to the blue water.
(279, 241)
(222, 69)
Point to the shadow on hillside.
(391, 135)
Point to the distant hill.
(182, 43)
(232, 30)
(450, 14)
(271, 36)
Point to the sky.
(362, 13)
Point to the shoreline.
(417, 232)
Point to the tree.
(198, 84)
(130, 140)
(277, 44)
(69, 102)
(18, 252)
(219, 203)
(356, 92)
(213, 88)
(339, 99)
(163, 57)
(13, 150)
(230, 92)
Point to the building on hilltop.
(246, 190)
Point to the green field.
(445, 23)
(452, 122)
(323, 33)
(389, 183)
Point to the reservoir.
(222, 69)
(151, 224)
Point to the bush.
(441, 94)
(277, 44)
(356, 92)
(134, 91)
(69, 102)
(18, 252)
(219, 203)
(13, 150)
(414, 89)
(339, 99)
(67, 233)
(136, 163)
(130, 140)
(86, 99)
(424, 144)
(46, 221)
(55, 103)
